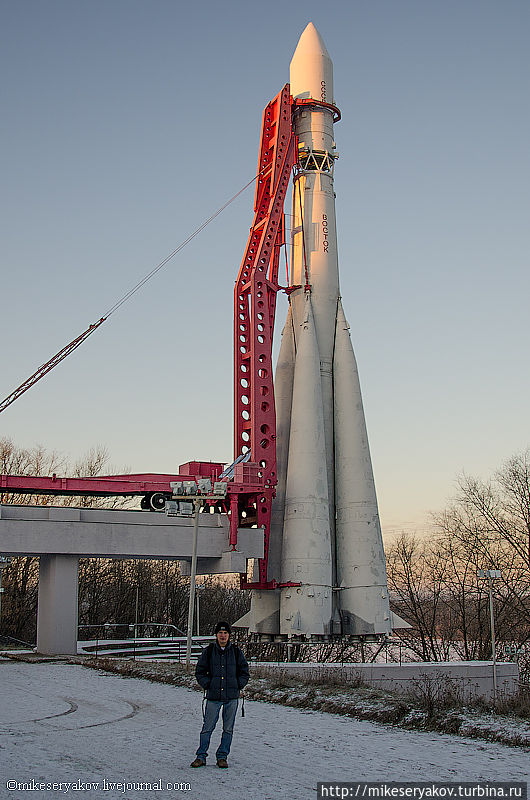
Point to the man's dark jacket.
(223, 673)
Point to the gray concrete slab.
(103, 533)
(60, 536)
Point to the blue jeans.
(211, 715)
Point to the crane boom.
(49, 365)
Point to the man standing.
(222, 671)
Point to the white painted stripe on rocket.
(361, 567)
(306, 553)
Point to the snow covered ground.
(66, 723)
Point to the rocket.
(325, 538)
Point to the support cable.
(181, 246)
(73, 345)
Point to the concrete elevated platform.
(60, 536)
(101, 533)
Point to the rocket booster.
(325, 538)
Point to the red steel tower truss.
(254, 312)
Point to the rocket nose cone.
(311, 41)
(311, 68)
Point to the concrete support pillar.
(57, 605)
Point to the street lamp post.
(197, 502)
(187, 496)
(136, 608)
(491, 574)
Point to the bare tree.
(417, 577)
(21, 575)
(221, 599)
(434, 582)
(491, 522)
(16, 460)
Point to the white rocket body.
(325, 531)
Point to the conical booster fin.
(361, 566)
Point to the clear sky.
(125, 124)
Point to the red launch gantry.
(250, 483)
(255, 309)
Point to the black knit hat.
(223, 626)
